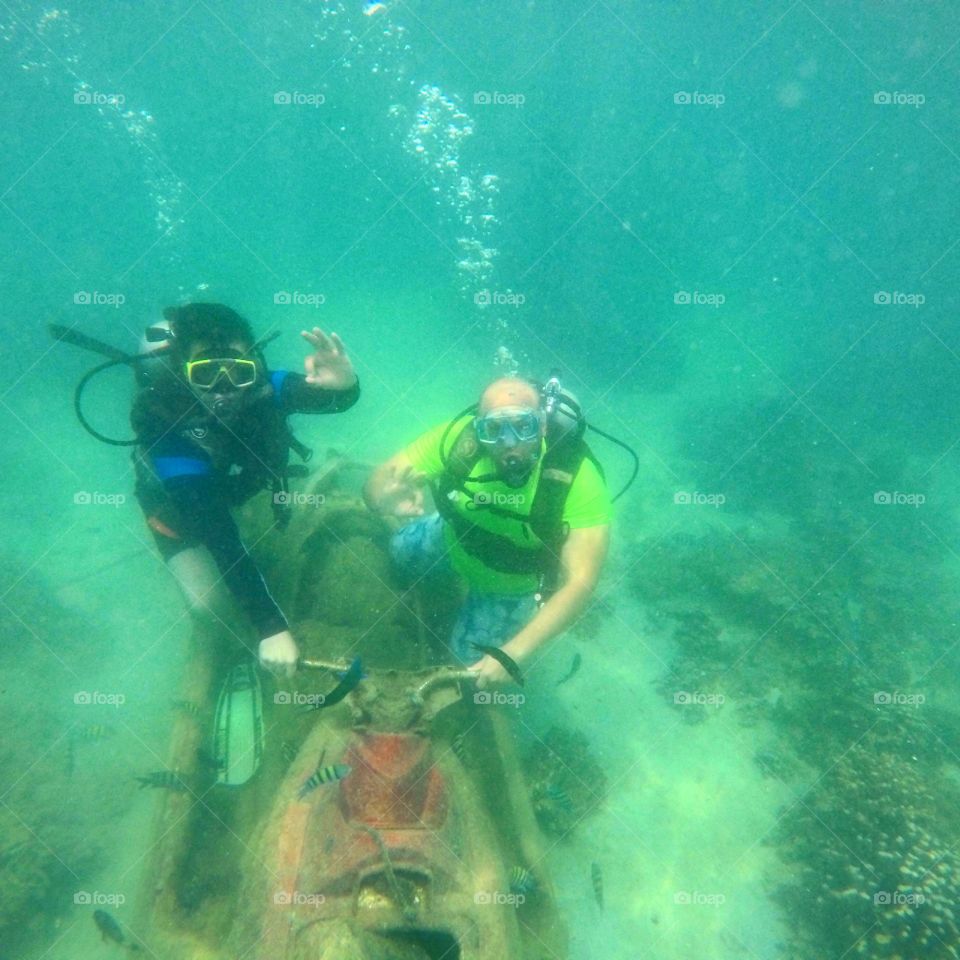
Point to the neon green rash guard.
(587, 505)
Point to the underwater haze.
(731, 228)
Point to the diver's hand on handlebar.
(488, 673)
(279, 654)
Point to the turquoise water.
(732, 227)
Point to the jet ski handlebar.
(327, 665)
(443, 676)
(439, 677)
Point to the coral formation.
(876, 870)
(813, 646)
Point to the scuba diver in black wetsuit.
(211, 431)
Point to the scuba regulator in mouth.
(565, 426)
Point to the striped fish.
(458, 747)
(187, 707)
(521, 880)
(163, 780)
(328, 774)
(93, 733)
(556, 794)
(596, 876)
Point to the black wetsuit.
(191, 469)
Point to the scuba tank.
(562, 411)
(565, 419)
(159, 343)
(153, 353)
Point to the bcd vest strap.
(279, 485)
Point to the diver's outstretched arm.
(581, 560)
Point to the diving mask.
(206, 374)
(520, 423)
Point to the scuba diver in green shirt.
(522, 517)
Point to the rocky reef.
(54, 816)
(566, 781)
